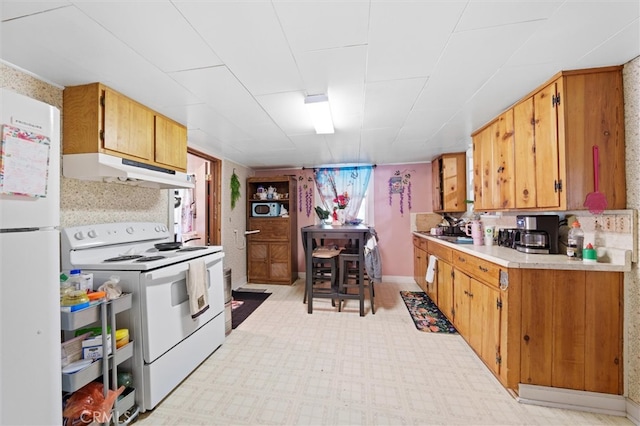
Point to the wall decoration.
(309, 195)
(307, 190)
(300, 179)
(400, 181)
(235, 189)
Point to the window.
(350, 182)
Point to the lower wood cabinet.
(269, 261)
(420, 262)
(270, 252)
(572, 330)
(444, 273)
(555, 328)
(477, 317)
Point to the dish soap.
(575, 241)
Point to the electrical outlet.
(598, 223)
(608, 223)
(623, 224)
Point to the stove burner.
(192, 248)
(121, 258)
(149, 258)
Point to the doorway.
(196, 215)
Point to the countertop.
(612, 260)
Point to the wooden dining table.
(355, 233)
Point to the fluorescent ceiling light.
(318, 106)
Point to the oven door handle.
(179, 271)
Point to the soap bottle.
(575, 241)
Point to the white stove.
(168, 342)
(100, 246)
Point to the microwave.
(265, 209)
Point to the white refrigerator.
(30, 367)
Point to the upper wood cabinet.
(493, 164)
(554, 130)
(170, 150)
(449, 182)
(99, 119)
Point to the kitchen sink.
(451, 238)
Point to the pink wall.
(393, 227)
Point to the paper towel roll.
(431, 269)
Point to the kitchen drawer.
(272, 229)
(440, 251)
(480, 269)
(420, 243)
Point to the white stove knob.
(92, 233)
(79, 235)
(158, 228)
(130, 230)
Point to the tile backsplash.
(613, 228)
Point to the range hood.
(108, 168)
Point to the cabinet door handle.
(526, 338)
(462, 259)
(470, 294)
(483, 269)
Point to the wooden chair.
(349, 270)
(324, 269)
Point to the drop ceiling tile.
(346, 102)
(407, 38)
(268, 135)
(289, 111)
(388, 103)
(469, 61)
(40, 55)
(82, 62)
(202, 141)
(209, 121)
(156, 31)
(12, 9)
(485, 14)
(422, 122)
(616, 50)
(221, 90)
(332, 69)
(323, 24)
(248, 37)
(455, 134)
(565, 39)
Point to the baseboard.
(633, 412)
(593, 402)
(398, 279)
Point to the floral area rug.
(425, 313)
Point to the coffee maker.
(537, 233)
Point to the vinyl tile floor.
(282, 366)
